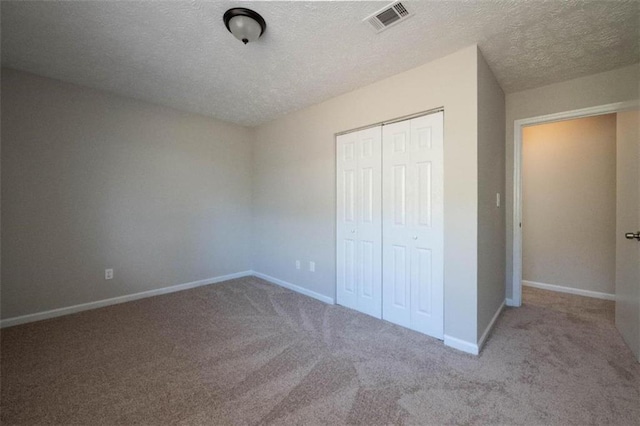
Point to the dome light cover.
(245, 24)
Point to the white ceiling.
(180, 53)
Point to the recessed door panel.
(424, 193)
(400, 282)
(396, 294)
(349, 266)
(423, 281)
(368, 189)
(349, 150)
(400, 142)
(349, 193)
(367, 147)
(368, 265)
(399, 195)
(424, 137)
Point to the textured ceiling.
(180, 53)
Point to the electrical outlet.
(108, 274)
(312, 266)
(297, 264)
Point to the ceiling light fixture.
(245, 24)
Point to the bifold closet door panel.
(397, 232)
(369, 215)
(413, 224)
(346, 224)
(359, 221)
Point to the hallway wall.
(569, 203)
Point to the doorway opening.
(569, 215)
(623, 297)
(569, 206)
(519, 129)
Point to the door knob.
(353, 231)
(415, 237)
(631, 236)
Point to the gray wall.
(569, 203)
(92, 180)
(598, 89)
(491, 219)
(294, 182)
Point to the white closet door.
(359, 221)
(347, 225)
(413, 187)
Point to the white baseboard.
(296, 288)
(461, 345)
(471, 348)
(116, 300)
(570, 290)
(510, 302)
(484, 336)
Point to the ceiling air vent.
(388, 16)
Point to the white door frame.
(518, 125)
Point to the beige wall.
(598, 89)
(92, 180)
(163, 197)
(294, 180)
(491, 220)
(569, 203)
(628, 251)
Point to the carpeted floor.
(248, 352)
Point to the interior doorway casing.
(518, 125)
